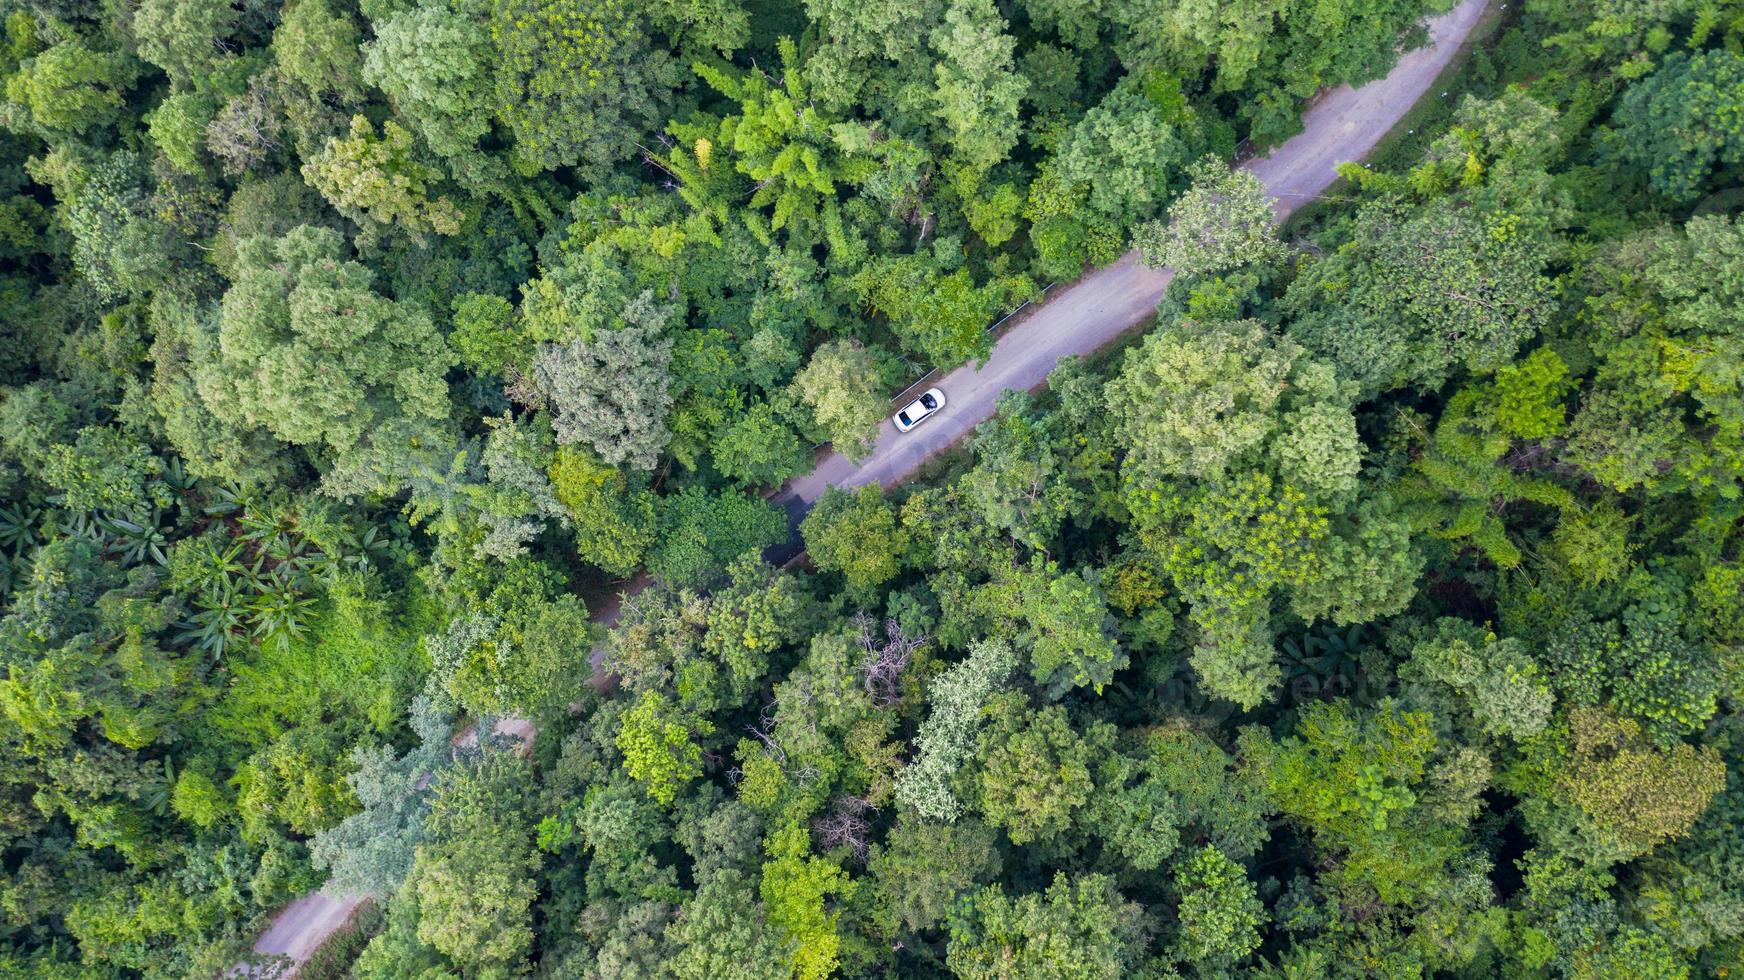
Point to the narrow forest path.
(298, 928)
(1343, 124)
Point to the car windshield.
(903, 415)
(929, 401)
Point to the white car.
(919, 410)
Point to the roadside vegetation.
(1377, 612)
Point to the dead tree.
(846, 825)
(884, 658)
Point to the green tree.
(1460, 483)
(1599, 789)
(700, 532)
(1319, 450)
(1228, 549)
(484, 335)
(120, 245)
(1420, 291)
(793, 153)
(1498, 679)
(71, 88)
(948, 737)
(718, 940)
(1061, 619)
(1078, 927)
(659, 746)
(1199, 399)
(577, 84)
(612, 390)
(473, 878)
(797, 888)
(102, 469)
(1663, 301)
(317, 47)
(378, 183)
(1529, 395)
(759, 448)
(1128, 152)
(613, 520)
(759, 612)
(1035, 767)
(529, 658)
(1681, 123)
(942, 318)
(1223, 221)
(307, 350)
(1066, 233)
(433, 62)
(372, 851)
(1172, 786)
(1359, 781)
(856, 534)
(1220, 912)
(842, 386)
(187, 40)
(922, 869)
(977, 91)
(859, 32)
(294, 784)
(1020, 481)
(178, 126)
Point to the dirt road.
(305, 924)
(1344, 124)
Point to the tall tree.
(473, 878)
(307, 351)
(1222, 222)
(433, 62)
(372, 851)
(1079, 927)
(1681, 123)
(612, 391)
(577, 84)
(857, 535)
(978, 92)
(1421, 292)
(378, 183)
(842, 385)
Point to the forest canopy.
(393, 394)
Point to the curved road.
(1343, 124)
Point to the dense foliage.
(1378, 612)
